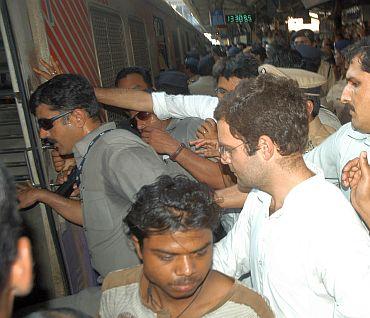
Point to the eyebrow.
(351, 78)
(158, 250)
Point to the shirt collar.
(358, 135)
(265, 198)
(80, 147)
(172, 125)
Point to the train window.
(176, 45)
(139, 42)
(161, 43)
(110, 44)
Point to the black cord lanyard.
(80, 166)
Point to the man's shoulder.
(235, 299)
(244, 296)
(122, 277)
(121, 136)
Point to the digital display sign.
(239, 18)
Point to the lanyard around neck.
(80, 166)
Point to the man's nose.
(225, 159)
(184, 266)
(43, 133)
(346, 95)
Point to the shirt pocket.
(96, 211)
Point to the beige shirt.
(121, 298)
(317, 133)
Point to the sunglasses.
(48, 123)
(143, 115)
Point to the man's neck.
(91, 125)
(6, 303)
(165, 123)
(157, 300)
(288, 173)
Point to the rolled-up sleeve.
(180, 106)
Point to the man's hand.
(208, 130)
(160, 140)
(360, 188)
(206, 147)
(62, 163)
(63, 176)
(51, 69)
(27, 195)
(349, 171)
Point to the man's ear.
(309, 107)
(79, 117)
(21, 275)
(266, 147)
(137, 246)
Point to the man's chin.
(183, 294)
(243, 188)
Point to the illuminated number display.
(239, 18)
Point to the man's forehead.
(179, 241)
(229, 83)
(131, 80)
(224, 135)
(355, 70)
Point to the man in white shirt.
(295, 247)
(347, 143)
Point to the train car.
(92, 38)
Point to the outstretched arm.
(125, 98)
(71, 210)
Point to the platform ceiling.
(269, 8)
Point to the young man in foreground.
(171, 226)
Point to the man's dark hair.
(10, 226)
(172, 82)
(66, 92)
(258, 49)
(172, 204)
(362, 49)
(267, 105)
(241, 66)
(145, 73)
(192, 64)
(218, 50)
(205, 65)
(284, 56)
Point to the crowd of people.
(237, 187)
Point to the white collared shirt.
(311, 258)
(334, 153)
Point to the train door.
(20, 147)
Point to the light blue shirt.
(333, 154)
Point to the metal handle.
(34, 184)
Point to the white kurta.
(311, 258)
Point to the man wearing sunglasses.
(169, 136)
(112, 164)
